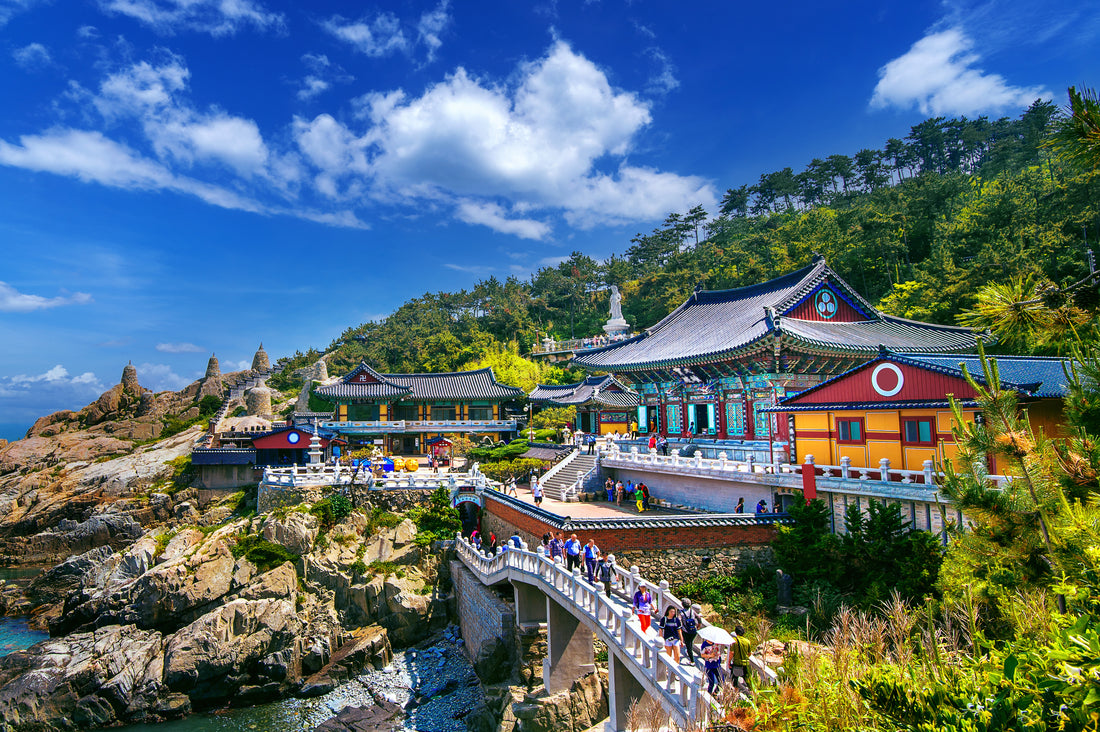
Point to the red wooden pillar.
(809, 479)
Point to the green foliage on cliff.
(264, 554)
(436, 521)
(332, 510)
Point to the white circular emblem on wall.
(887, 379)
(293, 438)
(825, 303)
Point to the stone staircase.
(559, 484)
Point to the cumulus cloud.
(24, 398)
(13, 301)
(32, 57)
(376, 37)
(216, 17)
(179, 348)
(939, 75)
(536, 144)
(493, 216)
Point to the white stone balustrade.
(679, 689)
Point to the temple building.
(713, 367)
(402, 412)
(604, 405)
(896, 407)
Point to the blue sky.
(185, 176)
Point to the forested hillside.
(919, 226)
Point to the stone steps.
(557, 485)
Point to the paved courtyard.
(589, 509)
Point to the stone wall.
(683, 565)
(487, 623)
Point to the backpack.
(689, 623)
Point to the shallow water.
(15, 635)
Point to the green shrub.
(264, 554)
(380, 519)
(331, 510)
(359, 567)
(437, 520)
(508, 469)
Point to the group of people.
(659, 443)
(597, 566)
(616, 491)
(678, 628)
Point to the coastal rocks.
(245, 649)
(364, 719)
(86, 680)
(295, 533)
(71, 537)
(575, 710)
(368, 646)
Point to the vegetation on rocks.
(437, 521)
(266, 555)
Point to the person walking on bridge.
(607, 573)
(740, 652)
(556, 547)
(572, 553)
(591, 559)
(690, 627)
(672, 631)
(643, 606)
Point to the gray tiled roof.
(222, 456)
(712, 325)
(459, 385)
(456, 386)
(594, 389)
(1037, 376)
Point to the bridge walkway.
(637, 662)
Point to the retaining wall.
(482, 615)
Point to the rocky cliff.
(197, 617)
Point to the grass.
(162, 542)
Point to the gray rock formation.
(258, 400)
(130, 380)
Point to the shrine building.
(604, 405)
(896, 407)
(715, 365)
(402, 412)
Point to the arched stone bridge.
(575, 612)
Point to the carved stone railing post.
(846, 467)
(749, 460)
(884, 470)
(928, 480)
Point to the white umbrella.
(717, 636)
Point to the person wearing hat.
(606, 572)
(740, 651)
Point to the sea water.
(15, 633)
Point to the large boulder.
(87, 680)
(245, 649)
(296, 532)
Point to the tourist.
(689, 630)
(652, 442)
(475, 539)
(619, 493)
(638, 497)
(740, 652)
(607, 573)
(662, 445)
(712, 664)
(672, 632)
(645, 495)
(572, 553)
(591, 558)
(609, 486)
(510, 487)
(556, 547)
(515, 541)
(740, 505)
(492, 548)
(536, 491)
(591, 444)
(633, 431)
(546, 542)
(643, 606)
(762, 506)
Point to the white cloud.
(216, 17)
(33, 56)
(375, 37)
(493, 216)
(13, 301)
(311, 87)
(664, 81)
(10, 8)
(322, 75)
(431, 26)
(25, 398)
(161, 377)
(938, 75)
(179, 348)
(536, 145)
(151, 94)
